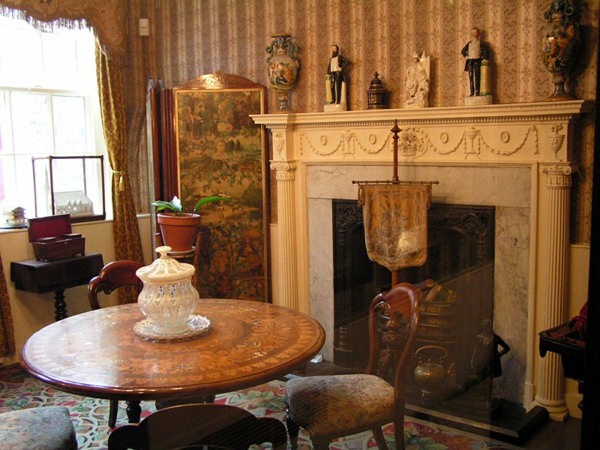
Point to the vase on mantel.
(560, 46)
(283, 66)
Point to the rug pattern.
(18, 390)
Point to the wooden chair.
(197, 425)
(114, 275)
(333, 406)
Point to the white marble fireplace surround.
(515, 157)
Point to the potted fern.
(178, 228)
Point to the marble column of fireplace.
(313, 152)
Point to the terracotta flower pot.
(178, 232)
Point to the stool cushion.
(332, 404)
(42, 428)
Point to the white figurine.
(477, 53)
(417, 82)
(335, 81)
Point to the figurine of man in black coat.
(336, 69)
(475, 52)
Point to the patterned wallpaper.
(189, 38)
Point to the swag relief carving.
(346, 142)
(416, 142)
(321, 144)
(529, 136)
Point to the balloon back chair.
(199, 425)
(333, 406)
(114, 275)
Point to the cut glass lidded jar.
(168, 299)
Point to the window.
(48, 105)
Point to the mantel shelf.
(474, 114)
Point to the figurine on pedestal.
(477, 53)
(335, 81)
(417, 82)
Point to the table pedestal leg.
(60, 306)
(134, 411)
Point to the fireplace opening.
(460, 259)
(454, 364)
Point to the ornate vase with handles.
(560, 45)
(283, 67)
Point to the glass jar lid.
(165, 269)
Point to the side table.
(41, 277)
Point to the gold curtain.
(107, 18)
(7, 334)
(112, 104)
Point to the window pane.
(31, 123)
(6, 178)
(16, 178)
(5, 140)
(60, 60)
(20, 65)
(69, 124)
(24, 183)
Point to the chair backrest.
(114, 275)
(199, 424)
(393, 321)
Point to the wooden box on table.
(52, 238)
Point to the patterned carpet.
(18, 390)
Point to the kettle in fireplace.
(431, 374)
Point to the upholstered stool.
(43, 428)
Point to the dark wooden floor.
(556, 436)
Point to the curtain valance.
(106, 18)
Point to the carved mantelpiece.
(317, 155)
(509, 133)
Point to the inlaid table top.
(97, 353)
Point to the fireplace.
(500, 156)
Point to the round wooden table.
(97, 353)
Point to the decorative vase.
(283, 67)
(560, 46)
(179, 231)
(168, 298)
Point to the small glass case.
(69, 185)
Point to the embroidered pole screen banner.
(395, 221)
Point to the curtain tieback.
(120, 174)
